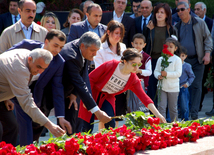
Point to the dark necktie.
(144, 26)
(15, 19)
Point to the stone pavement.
(207, 106)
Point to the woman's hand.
(154, 110)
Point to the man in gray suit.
(92, 23)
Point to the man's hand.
(65, 125)
(163, 73)
(54, 129)
(73, 100)
(206, 58)
(9, 105)
(102, 116)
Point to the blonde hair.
(46, 16)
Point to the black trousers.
(9, 126)
(71, 115)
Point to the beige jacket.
(14, 80)
(14, 34)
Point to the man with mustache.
(11, 17)
(24, 28)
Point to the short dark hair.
(21, 3)
(183, 50)
(140, 36)
(130, 54)
(136, 1)
(167, 10)
(91, 6)
(14, 1)
(55, 33)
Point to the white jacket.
(174, 71)
(105, 54)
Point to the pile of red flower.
(118, 141)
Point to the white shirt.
(105, 54)
(115, 17)
(174, 71)
(117, 82)
(147, 20)
(27, 30)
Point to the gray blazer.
(78, 29)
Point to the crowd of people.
(100, 65)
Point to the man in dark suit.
(142, 21)
(92, 23)
(10, 17)
(47, 89)
(119, 15)
(200, 11)
(75, 75)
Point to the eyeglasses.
(181, 9)
(134, 64)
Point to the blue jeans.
(106, 107)
(183, 101)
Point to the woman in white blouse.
(112, 48)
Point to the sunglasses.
(134, 64)
(181, 9)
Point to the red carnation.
(39, 23)
(165, 50)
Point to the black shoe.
(211, 113)
(194, 118)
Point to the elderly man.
(200, 11)
(10, 17)
(176, 18)
(92, 23)
(75, 77)
(135, 5)
(47, 90)
(119, 15)
(194, 35)
(142, 21)
(18, 68)
(24, 28)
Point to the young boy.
(186, 80)
(143, 73)
(139, 42)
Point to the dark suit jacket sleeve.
(1, 25)
(132, 32)
(58, 92)
(73, 78)
(27, 44)
(73, 34)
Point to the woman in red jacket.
(113, 78)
